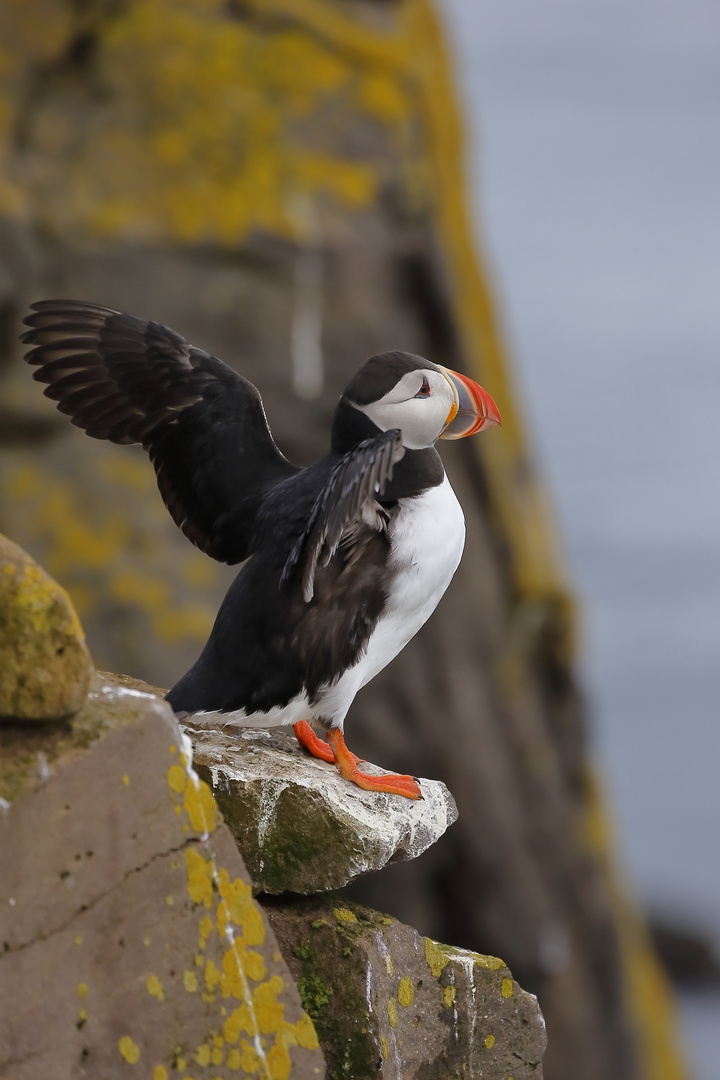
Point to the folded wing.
(348, 500)
(202, 424)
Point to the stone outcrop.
(45, 667)
(300, 826)
(131, 937)
(129, 933)
(418, 1010)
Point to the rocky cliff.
(132, 938)
(281, 180)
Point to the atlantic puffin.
(346, 559)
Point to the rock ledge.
(299, 825)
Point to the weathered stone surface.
(389, 1003)
(45, 667)
(129, 933)
(299, 825)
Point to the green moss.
(304, 951)
(329, 969)
(296, 842)
(315, 996)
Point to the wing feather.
(202, 424)
(348, 499)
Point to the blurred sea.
(596, 176)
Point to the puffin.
(344, 560)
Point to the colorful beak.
(476, 410)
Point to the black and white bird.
(346, 559)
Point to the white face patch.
(421, 419)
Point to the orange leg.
(317, 747)
(347, 764)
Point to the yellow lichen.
(177, 778)
(449, 995)
(490, 1041)
(343, 915)
(392, 1013)
(507, 988)
(200, 805)
(160, 1073)
(435, 956)
(200, 878)
(82, 990)
(190, 981)
(306, 1034)
(212, 976)
(202, 1056)
(239, 1020)
(129, 1050)
(238, 965)
(493, 963)
(154, 987)
(383, 1044)
(389, 964)
(406, 992)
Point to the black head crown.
(375, 378)
(379, 374)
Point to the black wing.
(348, 499)
(203, 425)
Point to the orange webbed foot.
(316, 746)
(392, 783)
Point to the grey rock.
(300, 826)
(128, 929)
(389, 1003)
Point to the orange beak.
(474, 409)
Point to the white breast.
(427, 536)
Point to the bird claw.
(315, 745)
(392, 783)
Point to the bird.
(344, 560)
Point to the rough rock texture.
(300, 826)
(129, 933)
(45, 667)
(417, 1009)
(281, 182)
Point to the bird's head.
(425, 401)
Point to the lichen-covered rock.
(389, 1003)
(129, 933)
(300, 826)
(45, 666)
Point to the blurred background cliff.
(282, 182)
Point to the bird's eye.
(424, 390)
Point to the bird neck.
(416, 471)
(350, 427)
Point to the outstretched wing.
(202, 424)
(348, 500)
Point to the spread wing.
(202, 424)
(348, 500)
